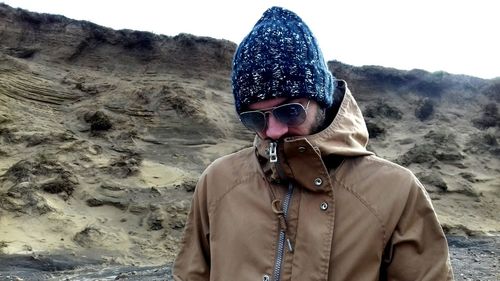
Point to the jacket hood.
(347, 135)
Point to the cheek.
(308, 126)
(302, 130)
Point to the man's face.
(276, 129)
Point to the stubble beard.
(319, 121)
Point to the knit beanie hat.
(280, 57)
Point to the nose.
(275, 129)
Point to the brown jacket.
(340, 214)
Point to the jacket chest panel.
(358, 239)
(313, 236)
(244, 232)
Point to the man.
(308, 201)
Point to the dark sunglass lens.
(255, 121)
(292, 114)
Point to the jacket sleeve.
(193, 261)
(418, 249)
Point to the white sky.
(457, 36)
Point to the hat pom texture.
(280, 58)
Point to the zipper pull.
(276, 205)
(290, 246)
(273, 157)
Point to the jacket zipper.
(273, 156)
(280, 251)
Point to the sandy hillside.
(104, 133)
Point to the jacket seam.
(213, 205)
(385, 163)
(370, 208)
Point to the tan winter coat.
(343, 215)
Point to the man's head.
(280, 61)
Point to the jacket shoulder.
(228, 172)
(385, 172)
(231, 165)
(378, 182)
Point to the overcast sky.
(456, 36)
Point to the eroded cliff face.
(57, 39)
(103, 134)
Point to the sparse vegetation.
(138, 40)
(493, 90)
(22, 53)
(98, 120)
(3, 244)
(470, 177)
(188, 185)
(4, 117)
(61, 184)
(186, 40)
(125, 165)
(41, 165)
(88, 237)
(382, 109)
(155, 220)
(24, 198)
(489, 117)
(418, 154)
(433, 179)
(442, 137)
(484, 142)
(36, 139)
(442, 148)
(374, 130)
(8, 136)
(425, 109)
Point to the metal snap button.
(318, 181)
(323, 206)
(302, 148)
(266, 278)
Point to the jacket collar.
(302, 158)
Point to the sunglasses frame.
(270, 110)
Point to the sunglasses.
(290, 114)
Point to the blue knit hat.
(280, 58)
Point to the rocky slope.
(103, 134)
